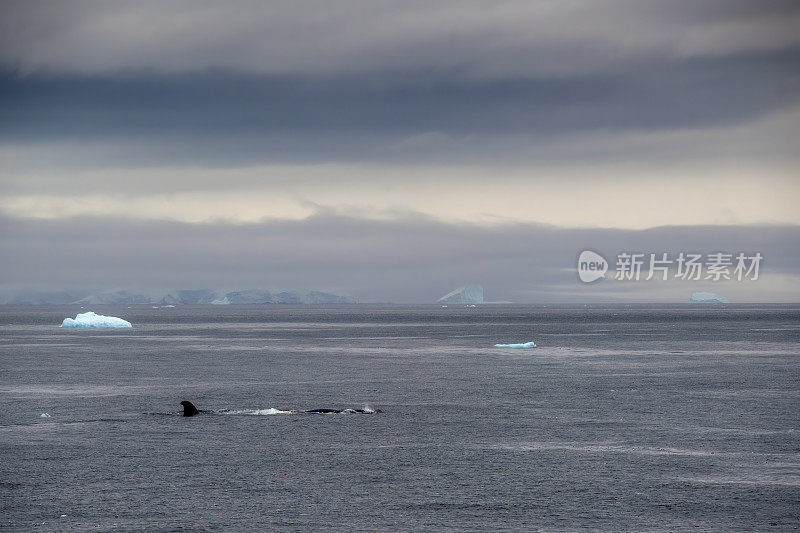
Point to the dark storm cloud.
(244, 83)
(463, 86)
(514, 37)
(662, 94)
(409, 260)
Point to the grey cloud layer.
(232, 84)
(91, 92)
(486, 39)
(250, 119)
(410, 260)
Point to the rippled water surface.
(622, 418)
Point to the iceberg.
(35, 297)
(518, 345)
(258, 296)
(92, 320)
(319, 297)
(250, 296)
(707, 298)
(189, 297)
(468, 294)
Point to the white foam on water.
(255, 412)
(747, 480)
(272, 411)
(33, 391)
(608, 448)
(366, 409)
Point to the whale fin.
(189, 409)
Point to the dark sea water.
(623, 418)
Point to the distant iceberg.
(115, 298)
(173, 298)
(92, 320)
(468, 294)
(707, 298)
(520, 345)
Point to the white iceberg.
(707, 298)
(468, 294)
(518, 345)
(92, 320)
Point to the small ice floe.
(92, 320)
(44, 415)
(517, 345)
(707, 298)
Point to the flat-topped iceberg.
(93, 320)
(517, 345)
(707, 298)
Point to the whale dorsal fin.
(189, 409)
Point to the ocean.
(623, 418)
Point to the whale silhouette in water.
(190, 410)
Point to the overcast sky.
(395, 150)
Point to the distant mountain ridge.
(176, 297)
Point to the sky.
(392, 151)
